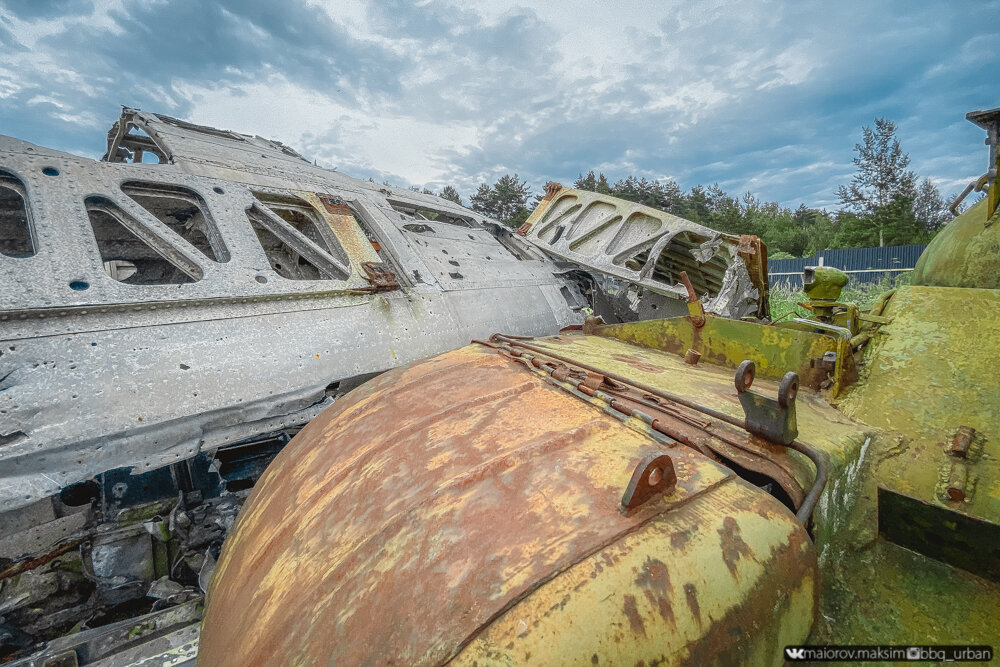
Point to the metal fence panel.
(863, 265)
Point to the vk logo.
(795, 653)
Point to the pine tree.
(451, 194)
(900, 225)
(626, 189)
(672, 197)
(588, 182)
(882, 175)
(697, 205)
(484, 200)
(511, 196)
(506, 200)
(929, 208)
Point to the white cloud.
(9, 83)
(769, 96)
(327, 130)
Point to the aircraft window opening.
(678, 256)
(412, 212)
(184, 211)
(307, 221)
(286, 262)
(137, 147)
(127, 249)
(15, 228)
(292, 250)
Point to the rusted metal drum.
(464, 509)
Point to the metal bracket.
(773, 420)
(957, 479)
(380, 276)
(696, 311)
(335, 205)
(990, 121)
(966, 443)
(654, 475)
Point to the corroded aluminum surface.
(453, 508)
(98, 374)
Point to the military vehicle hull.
(688, 490)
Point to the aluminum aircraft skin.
(172, 314)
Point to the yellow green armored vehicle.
(688, 489)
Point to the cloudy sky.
(767, 96)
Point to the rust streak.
(33, 563)
(691, 594)
(732, 544)
(720, 644)
(655, 582)
(634, 617)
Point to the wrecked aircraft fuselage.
(171, 315)
(641, 252)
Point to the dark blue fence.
(864, 265)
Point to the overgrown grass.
(784, 300)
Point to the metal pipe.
(680, 400)
(657, 434)
(692, 296)
(976, 185)
(820, 460)
(841, 332)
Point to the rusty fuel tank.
(468, 510)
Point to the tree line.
(884, 204)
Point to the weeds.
(785, 300)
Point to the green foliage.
(930, 208)
(506, 200)
(483, 199)
(593, 183)
(893, 223)
(853, 232)
(518, 218)
(588, 182)
(882, 170)
(511, 196)
(784, 301)
(451, 194)
(883, 204)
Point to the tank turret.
(966, 253)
